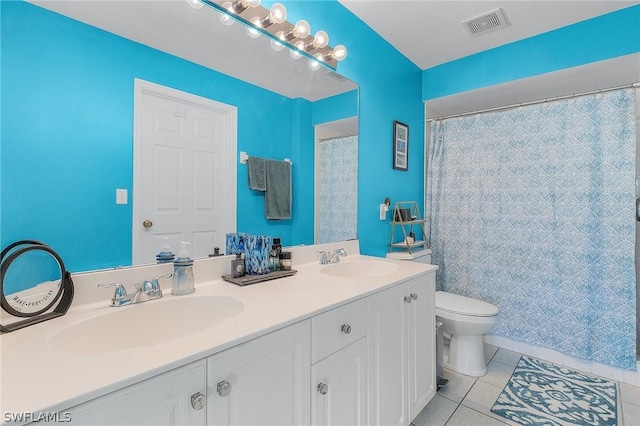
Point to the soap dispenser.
(165, 255)
(183, 273)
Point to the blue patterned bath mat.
(545, 394)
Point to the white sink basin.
(145, 324)
(360, 268)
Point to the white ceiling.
(429, 32)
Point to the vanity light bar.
(272, 22)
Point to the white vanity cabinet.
(262, 382)
(175, 398)
(367, 362)
(401, 342)
(339, 372)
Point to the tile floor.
(467, 401)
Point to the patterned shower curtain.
(532, 209)
(337, 198)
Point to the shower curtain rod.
(337, 137)
(557, 98)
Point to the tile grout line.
(450, 416)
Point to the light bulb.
(295, 53)
(252, 31)
(196, 4)
(320, 40)
(239, 6)
(226, 18)
(278, 13)
(276, 45)
(314, 64)
(339, 52)
(302, 29)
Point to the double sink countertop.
(96, 349)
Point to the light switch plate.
(121, 196)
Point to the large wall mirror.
(68, 72)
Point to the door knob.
(198, 401)
(147, 223)
(224, 388)
(346, 328)
(323, 388)
(414, 296)
(408, 299)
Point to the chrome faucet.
(334, 257)
(145, 291)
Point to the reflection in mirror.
(34, 285)
(32, 281)
(67, 122)
(336, 181)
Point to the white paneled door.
(184, 172)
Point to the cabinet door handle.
(346, 328)
(407, 299)
(323, 388)
(198, 401)
(414, 296)
(224, 388)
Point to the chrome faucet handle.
(120, 296)
(155, 285)
(324, 258)
(153, 289)
(337, 253)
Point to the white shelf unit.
(407, 227)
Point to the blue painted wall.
(604, 37)
(335, 108)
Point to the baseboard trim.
(553, 356)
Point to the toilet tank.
(419, 256)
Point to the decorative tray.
(254, 279)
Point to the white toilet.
(465, 320)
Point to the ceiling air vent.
(490, 21)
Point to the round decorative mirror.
(33, 284)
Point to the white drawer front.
(337, 328)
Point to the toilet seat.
(461, 305)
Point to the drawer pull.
(323, 388)
(346, 328)
(198, 401)
(224, 388)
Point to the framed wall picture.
(400, 146)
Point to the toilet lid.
(457, 304)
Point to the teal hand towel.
(277, 197)
(256, 167)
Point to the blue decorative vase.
(256, 253)
(235, 243)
